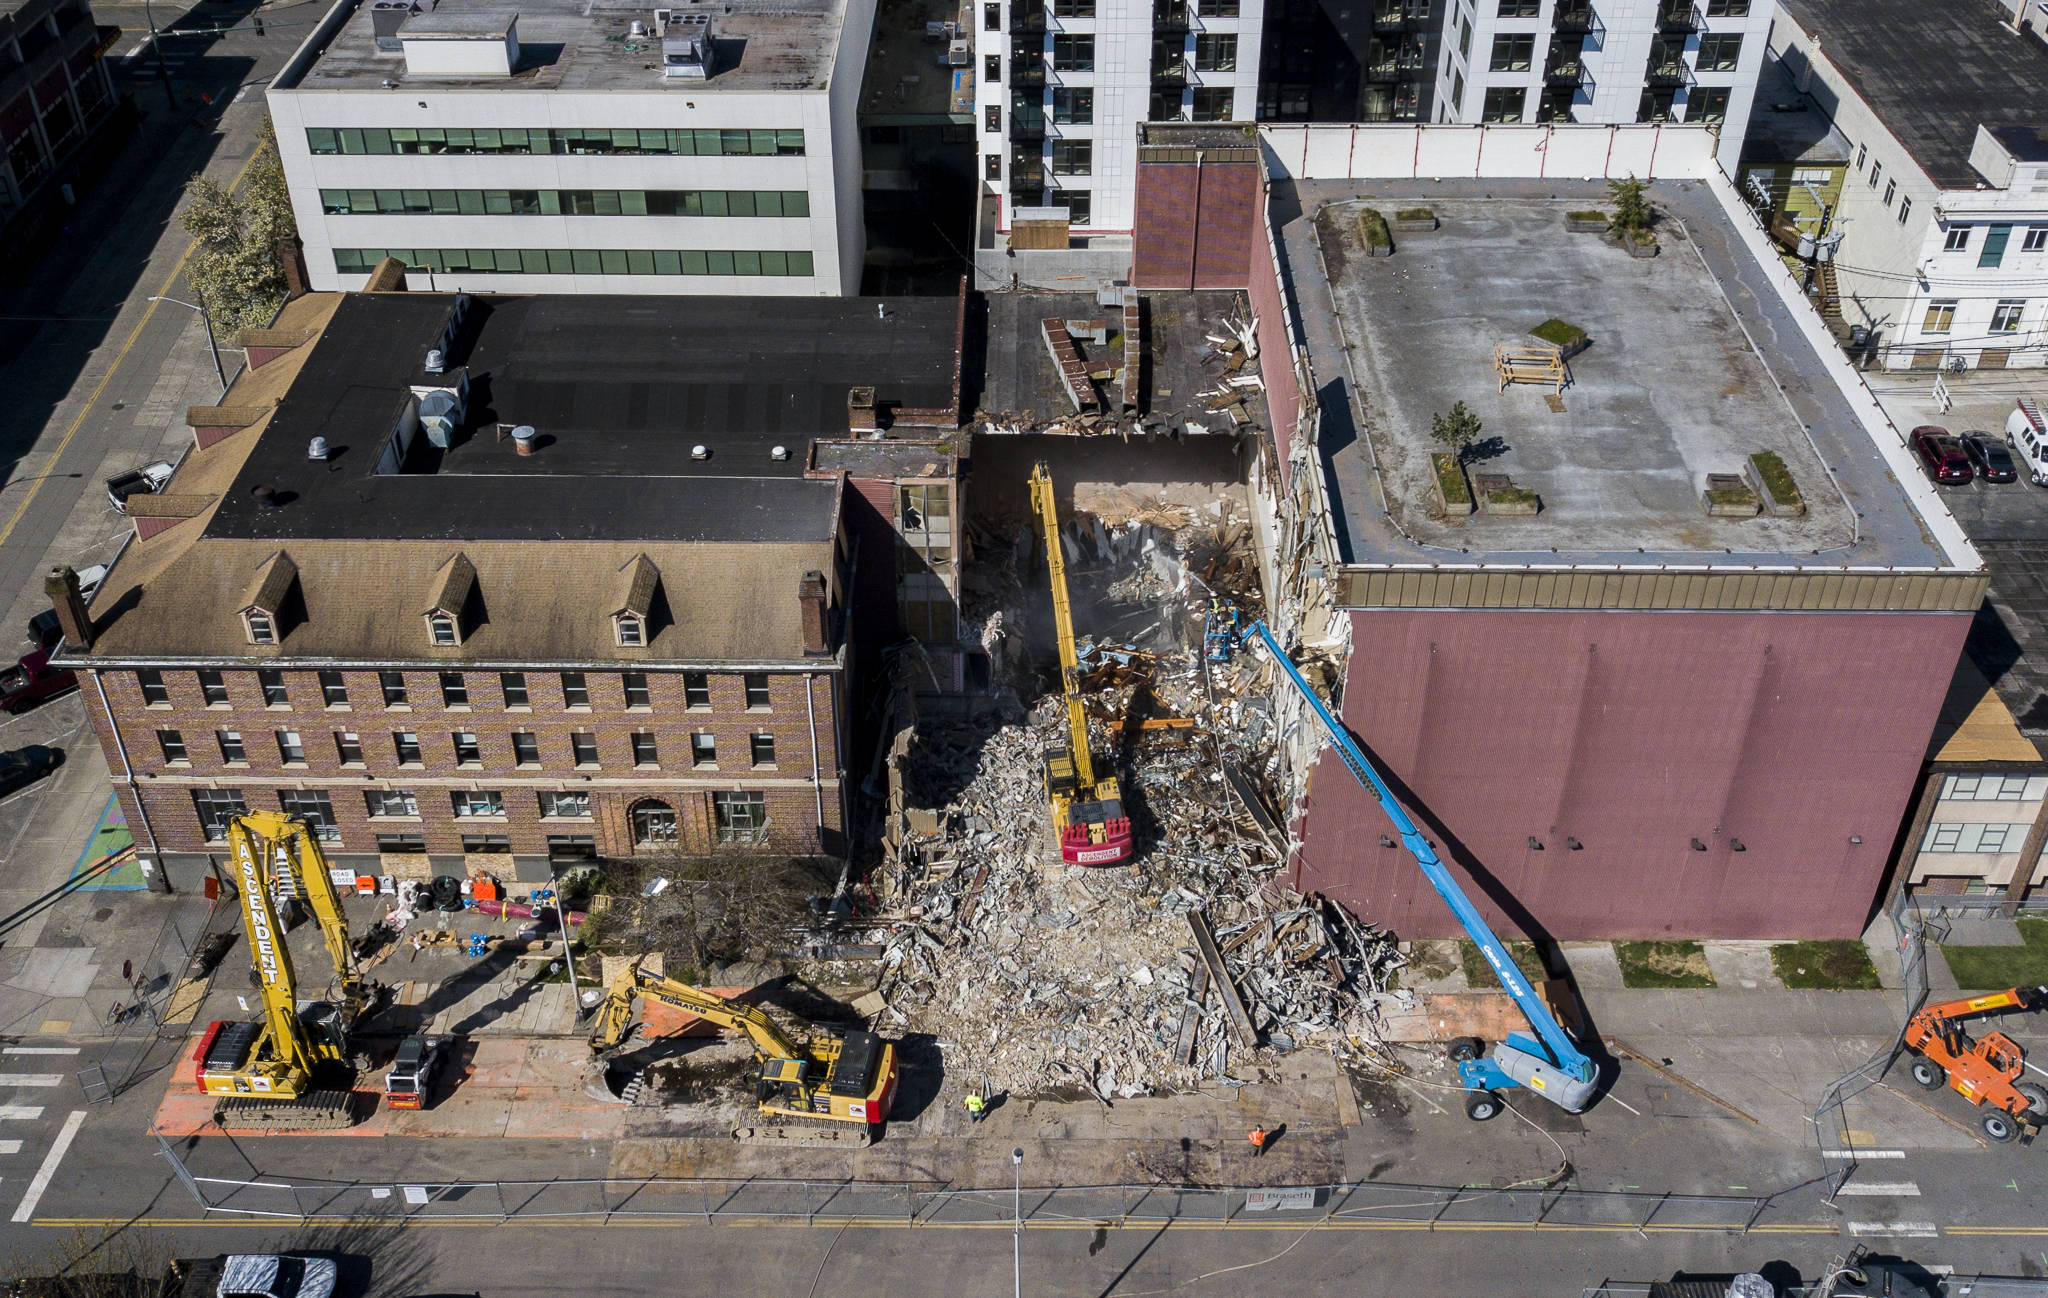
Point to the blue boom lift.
(1553, 1067)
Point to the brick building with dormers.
(503, 583)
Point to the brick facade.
(802, 793)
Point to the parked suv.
(1941, 455)
(1988, 454)
(31, 680)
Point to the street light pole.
(1017, 1217)
(162, 69)
(568, 957)
(212, 346)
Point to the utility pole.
(1017, 1218)
(163, 70)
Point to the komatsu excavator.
(293, 1064)
(846, 1078)
(1088, 816)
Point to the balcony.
(1667, 73)
(1401, 69)
(1169, 19)
(1027, 125)
(1388, 15)
(1027, 171)
(1026, 18)
(1027, 71)
(1564, 69)
(1680, 17)
(1574, 18)
(1170, 74)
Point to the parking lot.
(2008, 522)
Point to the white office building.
(1944, 212)
(1693, 61)
(1065, 84)
(580, 146)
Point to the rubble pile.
(1194, 964)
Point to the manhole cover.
(104, 912)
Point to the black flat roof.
(1932, 72)
(618, 389)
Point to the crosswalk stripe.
(31, 1079)
(1862, 1153)
(20, 1112)
(10, 1147)
(27, 1210)
(1900, 1189)
(40, 1050)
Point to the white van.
(2027, 431)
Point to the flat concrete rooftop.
(1694, 363)
(581, 45)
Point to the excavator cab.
(1061, 780)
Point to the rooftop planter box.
(1498, 494)
(1640, 243)
(1373, 232)
(1453, 492)
(1588, 222)
(1728, 496)
(1415, 218)
(1773, 483)
(1568, 338)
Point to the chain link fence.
(932, 1204)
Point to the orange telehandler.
(1984, 1071)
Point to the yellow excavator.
(845, 1078)
(293, 1064)
(1087, 813)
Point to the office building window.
(1073, 53)
(654, 824)
(1707, 104)
(394, 688)
(740, 817)
(1072, 157)
(572, 847)
(583, 748)
(1719, 52)
(1073, 8)
(1079, 204)
(751, 263)
(212, 688)
(565, 806)
(290, 750)
(1956, 239)
(757, 689)
(2036, 239)
(348, 747)
(1993, 251)
(1504, 104)
(1876, 171)
(1073, 106)
(454, 690)
(703, 748)
(514, 685)
(467, 751)
(1727, 8)
(587, 140)
(406, 745)
(2005, 318)
(1212, 103)
(1519, 8)
(391, 802)
(1940, 317)
(153, 692)
(635, 685)
(313, 807)
(486, 844)
(575, 692)
(401, 844)
(566, 202)
(1905, 209)
(470, 803)
(274, 695)
(525, 748)
(764, 749)
(1891, 187)
(696, 690)
(1215, 52)
(644, 751)
(215, 807)
(173, 745)
(1512, 52)
(231, 749)
(333, 691)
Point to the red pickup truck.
(31, 680)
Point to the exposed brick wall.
(795, 825)
(1163, 239)
(1196, 224)
(1224, 224)
(1276, 357)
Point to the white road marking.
(1862, 1153)
(1901, 1189)
(40, 1050)
(20, 1112)
(1914, 1229)
(31, 1079)
(49, 1167)
(10, 1147)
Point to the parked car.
(2027, 433)
(1989, 457)
(1941, 455)
(31, 680)
(43, 630)
(24, 766)
(147, 480)
(275, 1275)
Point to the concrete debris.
(1047, 977)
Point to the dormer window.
(639, 594)
(273, 602)
(448, 616)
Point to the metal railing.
(1532, 1206)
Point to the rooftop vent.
(436, 361)
(386, 17)
(317, 449)
(636, 30)
(779, 453)
(265, 494)
(700, 452)
(687, 50)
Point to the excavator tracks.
(313, 1111)
(798, 1136)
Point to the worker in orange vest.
(1258, 1139)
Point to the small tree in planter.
(1455, 430)
(1372, 228)
(1633, 215)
